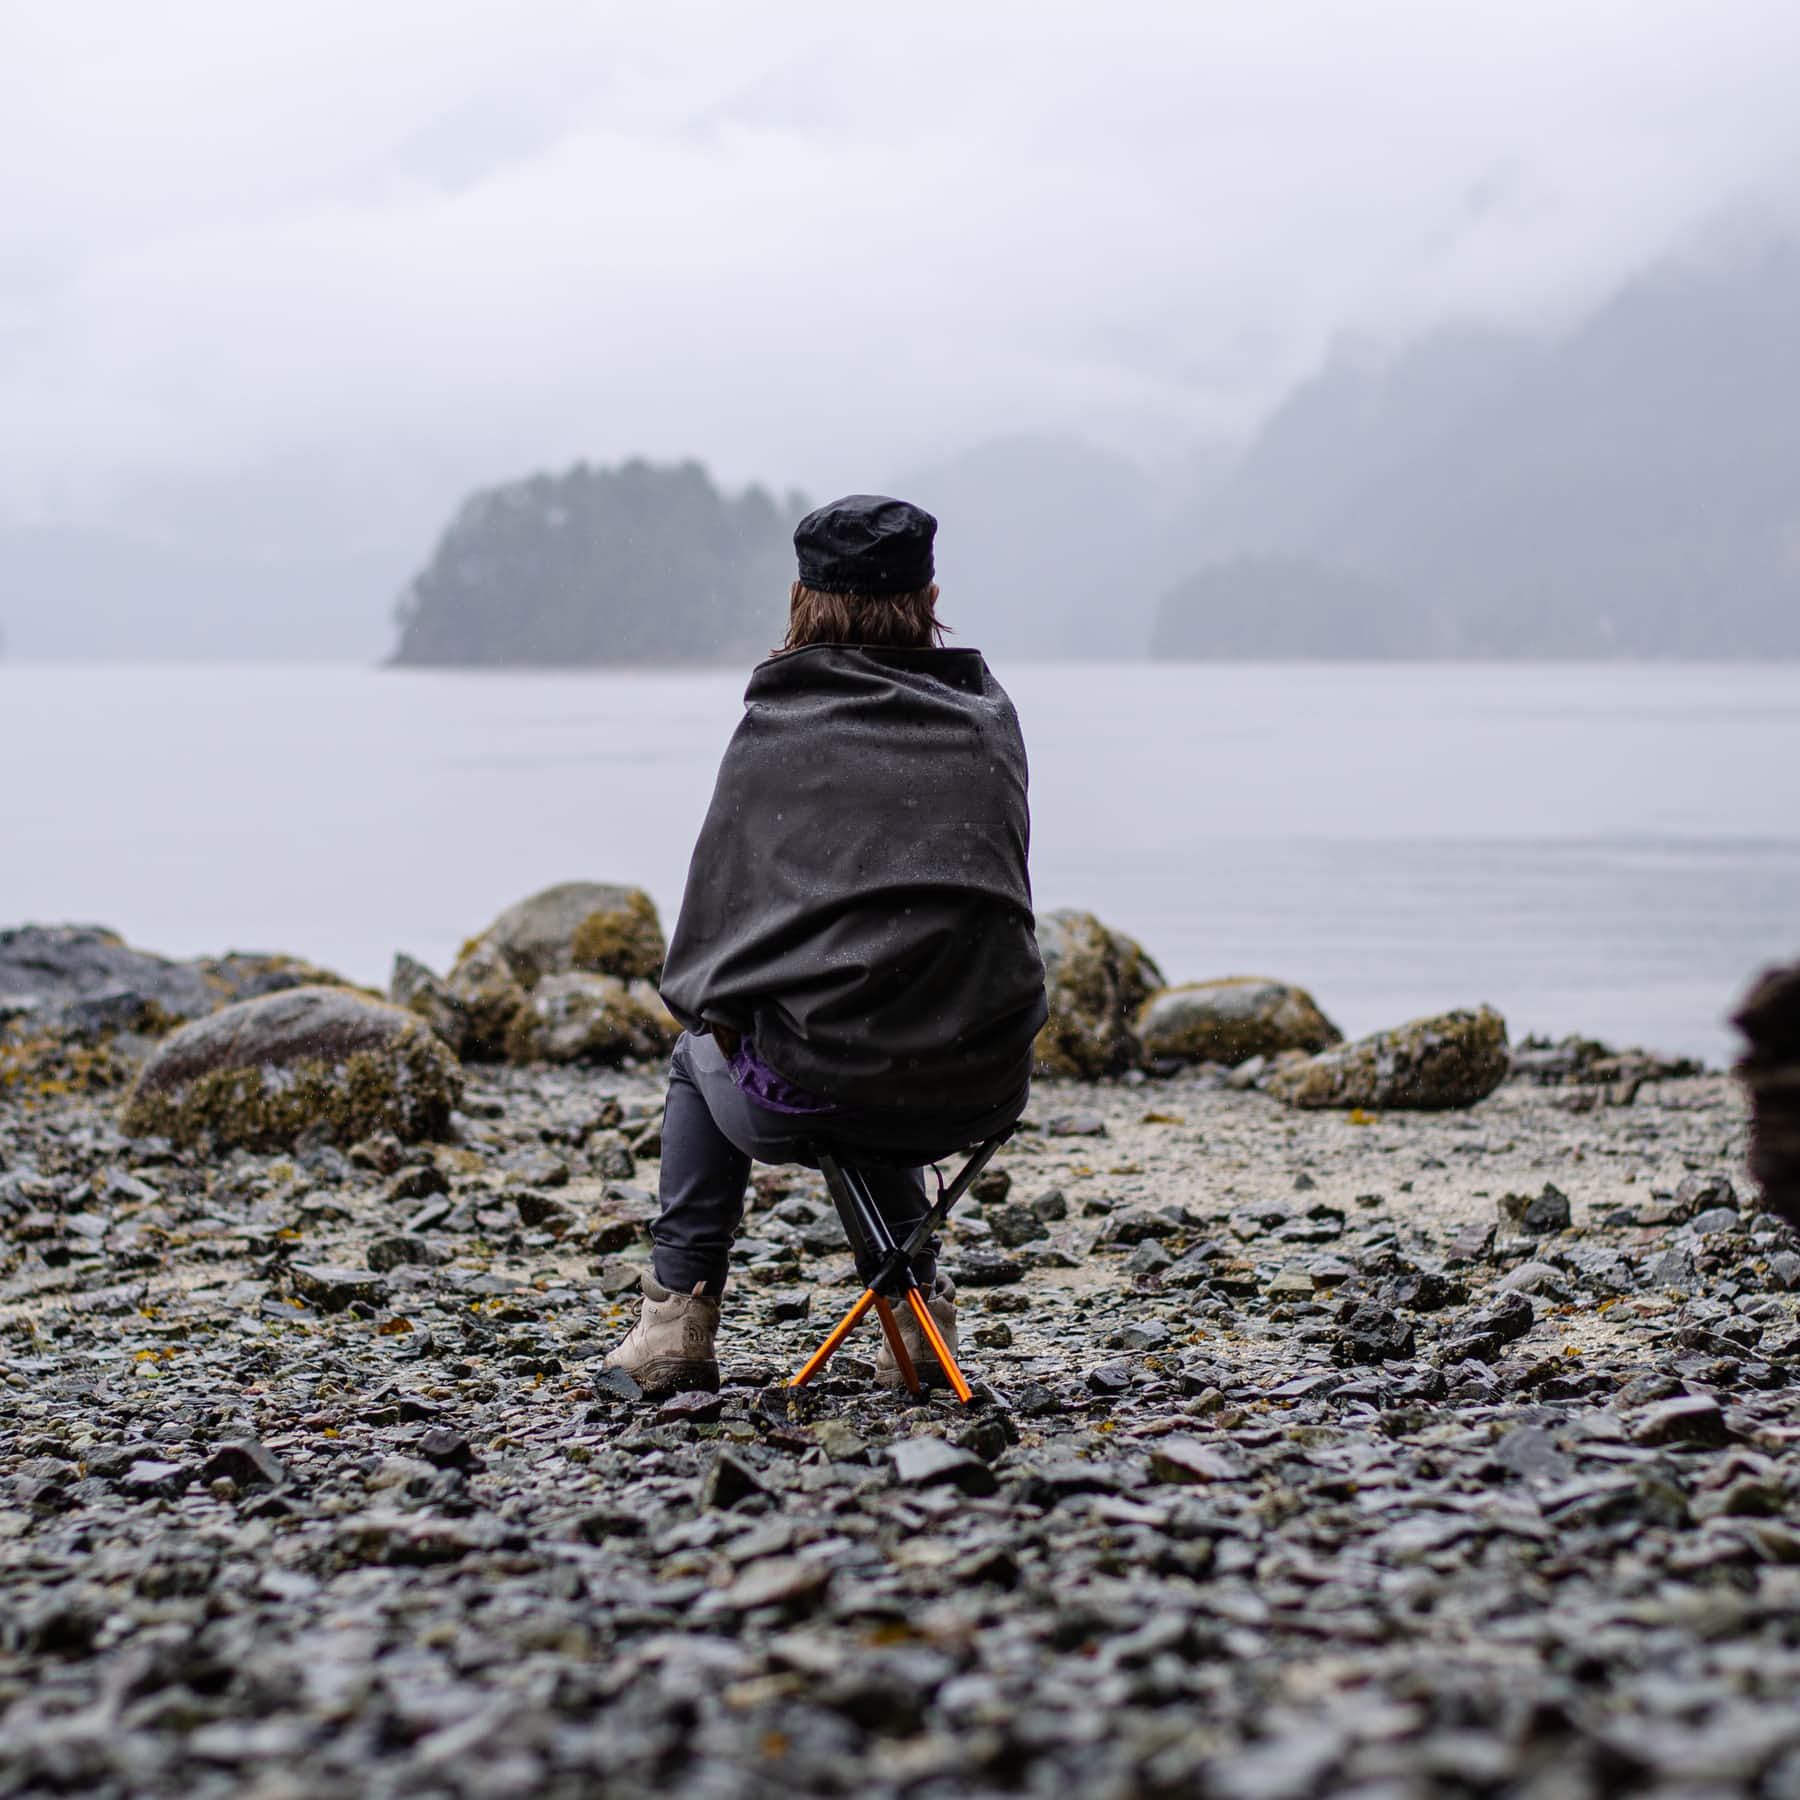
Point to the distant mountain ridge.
(1632, 489)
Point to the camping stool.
(887, 1266)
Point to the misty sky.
(807, 242)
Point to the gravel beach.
(1313, 1453)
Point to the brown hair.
(906, 621)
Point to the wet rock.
(415, 987)
(250, 974)
(245, 1462)
(446, 1449)
(158, 1480)
(1690, 1419)
(1075, 1124)
(1534, 1278)
(1536, 1215)
(729, 1481)
(1471, 1244)
(1368, 1333)
(1109, 1379)
(1450, 1060)
(263, 1073)
(1484, 1334)
(789, 1582)
(1190, 1461)
(990, 1186)
(1097, 979)
(589, 926)
(932, 1462)
(1150, 1258)
(587, 1018)
(401, 1250)
(1232, 1020)
(490, 997)
(979, 1266)
(1016, 1225)
(85, 979)
(332, 1287)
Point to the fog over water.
(1604, 850)
(284, 283)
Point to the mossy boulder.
(428, 996)
(263, 1072)
(1232, 1020)
(1097, 980)
(490, 995)
(591, 1018)
(579, 927)
(1430, 1065)
(590, 925)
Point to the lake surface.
(1609, 850)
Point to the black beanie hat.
(866, 544)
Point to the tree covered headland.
(643, 563)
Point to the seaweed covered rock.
(325, 1059)
(591, 925)
(86, 979)
(1451, 1059)
(1097, 980)
(490, 995)
(1232, 1020)
(1769, 1018)
(590, 1018)
(579, 927)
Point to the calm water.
(1597, 849)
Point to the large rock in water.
(1769, 1018)
(1451, 1059)
(262, 1072)
(1097, 980)
(85, 979)
(1232, 1020)
(591, 1018)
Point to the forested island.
(635, 564)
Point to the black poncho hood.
(858, 900)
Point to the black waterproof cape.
(858, 901)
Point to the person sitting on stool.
(854, 965)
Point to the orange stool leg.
(915, 1298)
(840, 1331)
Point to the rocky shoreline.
(1397, 1452)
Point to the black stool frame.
(887, 1265)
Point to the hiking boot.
(943, 1312)
(670, 1349)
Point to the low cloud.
(802, 239)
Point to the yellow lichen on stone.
(262, 1073)
(626, 941)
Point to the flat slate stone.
(933, 1462)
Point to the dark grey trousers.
(712, 1133)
